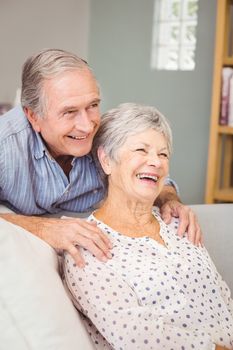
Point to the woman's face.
(141, 167)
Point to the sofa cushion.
(216, 221)
(35, 311)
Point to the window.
(174, 34)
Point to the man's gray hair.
(126, 120)
(44, 65)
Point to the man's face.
(72, 115)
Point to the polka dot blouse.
(150, 296)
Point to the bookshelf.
(219, 181)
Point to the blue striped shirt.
(32, 182)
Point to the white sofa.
(35, 310)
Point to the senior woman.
(158, 291)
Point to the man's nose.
(83, 122)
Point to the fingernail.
(109, 255)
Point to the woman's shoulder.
(173, 225)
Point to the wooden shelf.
(228, 61)
(225, 130)
(220, 155)
(225, 195)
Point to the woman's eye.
(141, 150)
(164, 155)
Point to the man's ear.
(33, 118)
(104, 160)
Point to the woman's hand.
(188, 220)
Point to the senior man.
(45, 161)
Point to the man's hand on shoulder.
(66, 235)
(171, 206)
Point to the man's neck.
(65, 163)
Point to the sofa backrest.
(217, 225)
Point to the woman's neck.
(126, 216)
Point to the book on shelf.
(230, 32)
(227, 73)
(230, 103)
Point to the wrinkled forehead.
(72, 84)
(145, 135)
(81, 77)
(148, 137)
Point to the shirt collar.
(39, 146)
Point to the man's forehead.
(82, 75)
(77, 82)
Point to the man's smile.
(78, 137)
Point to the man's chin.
(82, 151)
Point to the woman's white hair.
(126, 120)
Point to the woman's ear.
(104, 160)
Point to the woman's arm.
(112, 305)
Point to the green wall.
(119, 51)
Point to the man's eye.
(94, 105)
(68, 113)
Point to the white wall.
(27, 26)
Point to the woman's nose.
(154, 161)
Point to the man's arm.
(66, 235)
(170, 206)
(168, 193)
